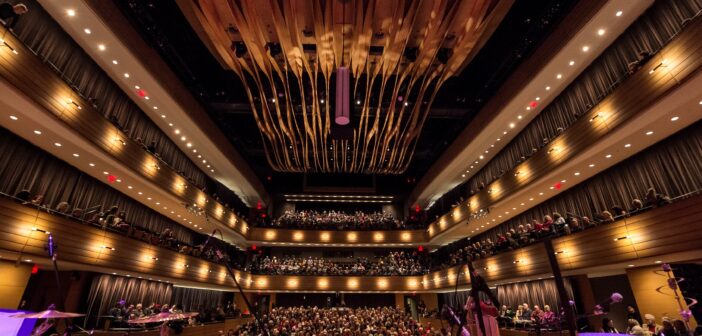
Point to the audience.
(336, 220)
(338, 321)
(395, 263)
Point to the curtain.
(541, 292)
(197, 300)
(24, 166)
(651, 32)
(45, 37)
(107, 290)
(671, 167)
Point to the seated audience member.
(681, 328)
(618, 210)
(631, 313)
(636, 205)
(38, 200)
(10, 14)
(549, 316)
(526, 313)
(650, 326)
(587, 223)
(23, 196)
(537, 314)
(573, 225)
(667, 328)
(62, 207)
(608, 326)
(655, 199)
(634, 328)
(547, 226)
(151, 148)
(634, 66)
(607, 217)
(559, 223)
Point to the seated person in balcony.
(62, 207)
(654, 199)
(634, 66)
(547, 226)
(634, 328)
(511, 242)
(573, 225)
(618, 211)
(608, 327)
(587, 223)
(23, 196)
(636, 205)
(118, 221)
(38, 200)
(10, 14)
(537, 314)
(607, 217)
(559, 223)
(525, 316)
(549, 316)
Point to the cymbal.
(47, 314)
(162, 317)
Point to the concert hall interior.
(350, 167)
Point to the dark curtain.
(541, 292)
(107, 290)
(651, 32)
(194, 299)
(46, 38)
(24, 166)
(671, 166)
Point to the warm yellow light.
(352, 283)
(406, 236)
(322, 283)
(378, 236)
(324, 236)
(298, 236)
(352, 236)
(293, 283)
(270, 234)
(412, 283)
(382, 283)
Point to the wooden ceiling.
(399, 53)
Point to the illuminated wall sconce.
(489, 191)
(378, 236)
(186, 266)
(322, 283)
(6, 45)
(270, 234)
(662, 64)
(595, 117)
(516, 261)
(72, 102)
(552, 149)
(559, 252)
(109, 248)
(382, 283)
(121, 141)
(324, 236)
(406, 236)
(293, 283)
(298, 236)
(517, 173)
(620, 238)
(40, 230)
(351, 236)
(154, 258)
(352, 283)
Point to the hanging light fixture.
(342, 114)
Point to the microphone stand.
(51, 249)
(220, 257)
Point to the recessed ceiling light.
(649, 132)
(631, 265)
(571, 63)
(177, 131)
(591, 165)
(563, 181)
(13, 117)
(559, 76)
(619, 13)
(212, 170)
(189, 144)
(608, 156)
(600, 32)
(170, 124)
(102, 48)
(71, 12)
(194, 150)
(658, 261)
(586, 48)
(130, 187)
(28, 260)
(204, 161)
(148, 198)
(182, 138)
(576, 173)
(87, 31)
(511, 125)
(115, 62)
(541, 194)
(37, 132)
(126, 75)
(91, 164)
(57, 144)
(674, 118)
(463, 175)
(627, 145)
(76, 154)
(147, 98)
(140, 193)
(528, 108)
(358, 102)
(106, 173)
(199, 156)
(548, 88)
(163, 116)
(482, 157)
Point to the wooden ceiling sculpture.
(398, 53)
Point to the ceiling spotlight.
(601, 32)
(87, 31)
(182, 138)
(102, 48)
(57, 144)
(37, 132)
(71, 12)
(76, 155)
(627, 145)
(571, 63)
(649, 132)
(189, 144)
(548, 88)
(608, 156)
(126, 75)
(591, 165)
(115, 62)
(559, 76)
(177, 131)
(674, 118)
(91, 164)
(358, 102)
(619, 13)
(321, 101)
(13, 117)
(163, 115)
(586, 48)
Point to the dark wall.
(603, 288)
